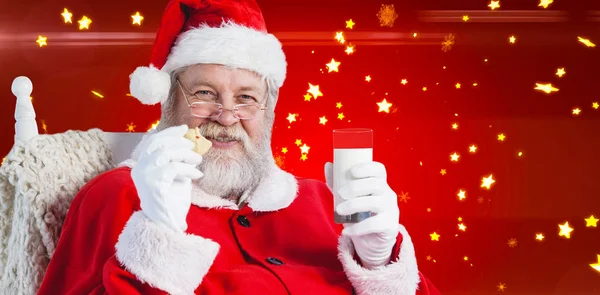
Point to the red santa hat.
(226, 32)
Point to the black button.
(243, 221)
(274, 261)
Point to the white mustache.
(215, 130)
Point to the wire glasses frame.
(207, 109)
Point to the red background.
(556, 180)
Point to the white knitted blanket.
(38, 181)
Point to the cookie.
(201, 144)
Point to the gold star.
(454, 157)
(428, 209)
(84, 23)
(298, 142)
(462, 195)
(303, 157)
(137, 19)
(67, 16)
(338, 105)
(461, 226)
(501, 137)
(307, 97)
(512, 39)
(404, 197)
(384, 106)
(560, 72)
(548, 88)
(424, 88)
(545, 3)
(586, 42)
(595, 105)
(455, 126)
(466, 258)
(130, 127)
(41, 41)
(565, 230)
(501, 287)
(322, 120)
(494, 4)
(291, 117)
(304, 149)
(154, 125)
(428, 257)
(403, 82)
(465, 17)
(340, 116)
(443, 172)
(596, 266)
(339, 36)
(512, 242)
(472, 148)
(539, 237)
(333, 65)
(591, 221)
(349, 49)
(314, 91)
(434, 236)
(349, 24)
(457, 85)
(487, 181)
(368, 78)
(475, 84)
(284, 150)
(576, 111)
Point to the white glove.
(375, 237)
(163, 177)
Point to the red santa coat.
(283, 241)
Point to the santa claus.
(230, 221)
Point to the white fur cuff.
(398, 278)
(165, 259)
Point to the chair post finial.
(26, 126)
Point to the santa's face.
(241, 148)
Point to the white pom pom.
(150, 85)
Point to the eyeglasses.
(208, 109)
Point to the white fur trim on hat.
(150, 85)
(230, 45)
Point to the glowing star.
(284, 150)
(298, 142)
(387, 15)
(350, 24)
(304, 157)
(339, 36)
(338, 105)
(443, 172)
(539, 237)
(291, 117)
(154, 125)
(384, 106)
(455, 126)
(591, 221)
(67, 16)
(565, 230)
(501, 287)
(460, 218)
(340, 116)
(428, 209)
(501, 137)
(494, 4)
(596, 266)
(403, 82)
(404, 197)
(560, 72)
(130, 127)
(454, 157)
(137, 19)
(333, 65)
(512, 242)
(41, 41)
(314, 91)
(304, 149)
(487, 181)
(548, 88)
(473, 149)
(465, 18)
(307, 97)
(461, 226)
(519, 154)
(428, 257)
(322, 120)
(448, 42)
(466, 258)
(462, 195)
(434, 236)
(545, 3)
(424, 88)
(595, 105)
(457, 85)
(586, 42)
(512, 39)
(576, 111)
(84, 23)
(368, 78)
(97, 94)
(349, 49)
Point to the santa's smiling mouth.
(222, 141)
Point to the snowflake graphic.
(448, 42)
(387, 15)
(512, 242)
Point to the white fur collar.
(276, 191)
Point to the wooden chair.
(38, 180)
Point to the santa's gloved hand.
(163, 177)
(375, 237)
